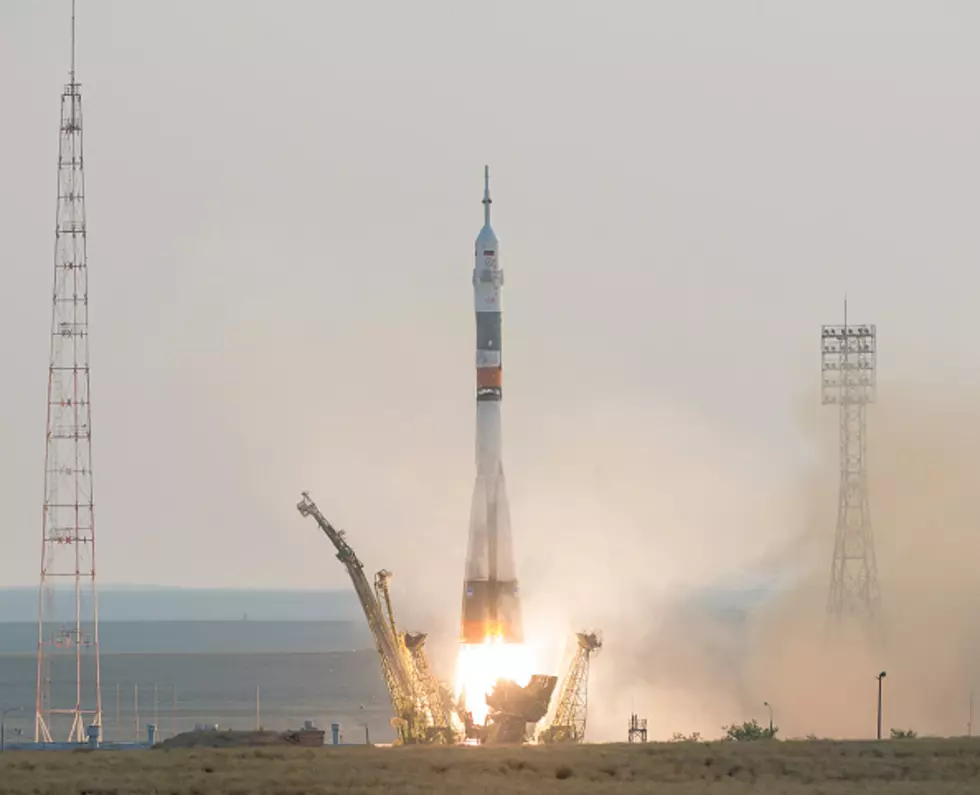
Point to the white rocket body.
(491, 607)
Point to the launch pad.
(424, 711)
(512, 708)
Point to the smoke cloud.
(708, 574)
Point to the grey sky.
(282, 201)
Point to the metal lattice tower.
(69, 694)
(637, 729)
(570, 718)
(849, 363)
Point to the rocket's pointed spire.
(486, 195)
(72, 80)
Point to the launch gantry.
(431, 699)
(418, 719)
(568, 725)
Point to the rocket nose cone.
(486, 239)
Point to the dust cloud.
(702, 554)
(707, 573)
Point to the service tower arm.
(568, 725)
(397, 678)
(432, 703)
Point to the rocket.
(491, 607)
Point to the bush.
(748, 731)
(903, 734)
(682, 738)
(564, 772)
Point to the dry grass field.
(904, 766)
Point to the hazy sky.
(282, 203)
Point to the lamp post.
(767, 704)
(879, 678)
(3, 731)
(367, 735)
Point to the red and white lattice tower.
(69, 697)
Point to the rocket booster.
(491, 608)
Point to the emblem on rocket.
(491, 607)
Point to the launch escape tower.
(849, 364)
(68, 687)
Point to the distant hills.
(206, 637)
(156, 603)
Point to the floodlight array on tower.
(849, 367)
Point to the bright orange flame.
(480, 665)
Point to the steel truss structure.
(69, 695)
(849, 366)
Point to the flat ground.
(903, 766)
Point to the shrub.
(564, 772)
(748, 731)
(689, 738)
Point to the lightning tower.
(69, 695)
(849, 364)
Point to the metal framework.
(849, 364)
(637, 729)
(568, 725)
(68, 681)
(415, 719)
(432, 700)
